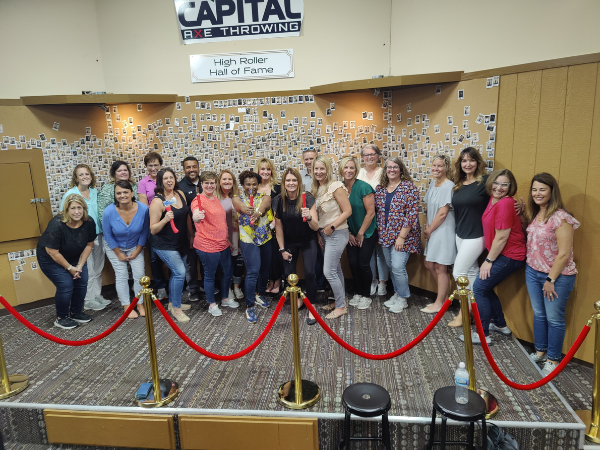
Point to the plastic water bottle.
(461, 379)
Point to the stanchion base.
(311, 393)
(169, 390)
(491, 403)
(592, 433)
(17, 383)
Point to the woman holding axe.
(170, 226)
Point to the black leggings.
(359, 260)
(276, 262)
(309, 255)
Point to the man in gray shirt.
(308, 155)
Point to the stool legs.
(443, 436)
(431, 431)
(346, 437)
(483, 434)
(385, 429)
(470, 435)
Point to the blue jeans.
(176, 264)
(70, 293)
(257, 259)
(158, 280)
(548, 316)
(488, 303)
(210, 262)
(396, 261)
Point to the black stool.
(366, 400)
(473, 411)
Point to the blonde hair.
(284, 191)
(447, 163)
(234, 189)
(343, 163)
(314, 188)
(404, 175)
(74, 182)
(270, 165)
(460, 175)
(73, 198)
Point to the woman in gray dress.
(440, 251)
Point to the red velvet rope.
(204, 352)
(398, 352)
(537, 384)
(42, 333)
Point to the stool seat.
(444, 401)
(473, 411)
(366, 400)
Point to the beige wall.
(51, 47)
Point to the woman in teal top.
(363, 232)
(83, 183)
(119, 170)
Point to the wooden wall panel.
(552, 116)
(588, 259)
(506, 121)
(579, 112)
(527, 112)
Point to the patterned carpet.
(109, 372)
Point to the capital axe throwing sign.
(229, 20)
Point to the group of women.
(371, 212)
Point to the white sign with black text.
(257, 65)
(229, 20)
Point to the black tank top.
(165, 239)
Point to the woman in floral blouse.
(255, 232)
(550, 271)
(397, 206)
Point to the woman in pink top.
(550, 271)
(505, 241)
(211, 242)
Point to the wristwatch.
(282, 250)
(551, 280)
(488, 260)
(332, 227)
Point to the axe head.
(171, 202)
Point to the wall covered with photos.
(414, 123)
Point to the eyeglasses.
(393, 169)
(370, 155)
(502, 185)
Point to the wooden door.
(19, 217)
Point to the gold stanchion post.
(466, 295)
(164, 391)
(592, 418)
(299, 393)
(10, 384)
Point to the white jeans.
(465, 264)
(122, 274)
(95, 264)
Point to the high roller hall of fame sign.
(228, 20)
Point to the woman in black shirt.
(170, 246)
(293, 234)
(62, 252)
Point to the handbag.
(499, 440)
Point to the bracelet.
(69, 268)
(402, 237)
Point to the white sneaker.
(400, 305)
(231, 303)
(238, 293)
(215, 311)
(374, 284)
(382, 289)
(392, 301)
(354, 301)
(548, 368)
(102, 300)
(93, 305)
(161, 294)
(231, 294)
(364, 303)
